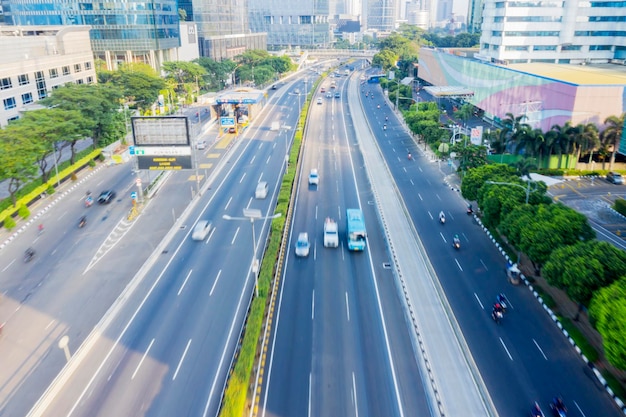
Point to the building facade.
(380, 15)
(290, 24)
(556, 31)
(121, 31)
(36, 60)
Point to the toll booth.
(236, 108)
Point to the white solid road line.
(184, 282)
(348, 309)
(356, 403)
(313, 306)
(142, 359)
(217, 278)
(505, 349)
(182, 358)
(540, 350)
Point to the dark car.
(106, 197)
(615, 178)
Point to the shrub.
(9, 223)
(73, 177)
(23, 212)
(92, 163)
(620, 206)
(50, 190)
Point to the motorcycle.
(558, 408)
(470, 211)
(501, 299)
(384, 127)
(496, 315)
(28, 255)
(456, 244)
(82, 222)
(410, 156)
(442, 220)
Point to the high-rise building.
(121, 31)
(380, 15)
(474, 15)
(39, 58)
(563, 32)
(223, 28)
(288, 23)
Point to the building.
(121, 31)
(474, 15)
(546, 94)
(380, 15)
(288, 23)
(37, 59)
(564, 32)
(189, 48)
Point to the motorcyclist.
(386, 118)
(82, 221)
(558, 405)
(378, 106)
(410, 156)
(385, 127)
(457, 241)
(442, 217)
(28, 255)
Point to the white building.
(565, 32)
(36, 59)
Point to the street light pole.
(252, 215)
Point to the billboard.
(161, 143)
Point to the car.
(314, 178)
(337, 95)
(302, 244)
(319, 100)
(296, 92)
(202, 229)
(106, 197)
(201, 144)
(232, 129)
(615, 178)
(329, 95)
(274, 87)
(322, 90)
(261, 190)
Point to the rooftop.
(595, 74)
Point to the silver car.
(302, 244)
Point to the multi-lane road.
(341, 343)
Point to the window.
(41, 85)
(54, 73)
(570, 48)
(544, 48)
(599, 47)
(79, 81)
(87, 65)
(23, 79)
(89, 80)
(9, 103)
(27, 98)
(516, 48)
(78, 68)
(66, 70)
(5, 83)
(12, 119)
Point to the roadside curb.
(555, 319)
(57, 197)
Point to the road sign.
(138, 182)
(133, 195)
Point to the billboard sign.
(161, 143)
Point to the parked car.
(201, 231)
(615, 178)
(106, 197)
(302, 244)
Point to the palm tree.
(510, 125)
(612, 134)
(524, 166)
(587, 139)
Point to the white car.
(302, 244)
(261, 190)
(202, 229)
(314, 178)
(319, 100)
(201, 144)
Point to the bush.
(9, 223)
(23, 212)
(620, 206)
(92, 163)
(73, 177)
(50, 190)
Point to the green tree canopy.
(139, 83)
(476, 178)
(608, 314)
(218, 73)
(385, 59)
(184, 72)
(585, 267)
(19, 156)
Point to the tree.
(99, 104)
(140, 84)
(184, 72)
(612, 134)
(475, 178)
(218, 73)
(19, 157)
(465, 112)
(385, 59)
(471, 156)
(608, 315)
(182, 15)
(582, 269)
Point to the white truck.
(331, 233)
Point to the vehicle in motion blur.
(356, 229)
(261, 190)
(314, 178)
(614, 178)
(202, 229)
(331, 233)
(106, 197)
(302, 244)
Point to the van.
(275, 126)
(261, 190)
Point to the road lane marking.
(252, 160)
(412, 183)
(7, 267)
(184, 282)
(478, 299)
(540, 350)
(420, 168)
(217, 278)
(49, 324)
(420, 196)
(314, 250)
(485, 266)
(117, 365)
(438, 198)
(579, 409)
(142, 359)
(404, 168)
(316, 212)
(242, 177)
(458, 264)
(228, 204)
(182, 358)
(313, 306)
(260, 177)
(354, 399)
(443, 237)
(431, 216)
(310, 383)
(249, 202)
(235, 237)
(269, 158)
(347, 306)
(210, 236)
(505, 349)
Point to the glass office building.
(121, 31)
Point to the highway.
(165, 346)
(340, 344)
(524, 359)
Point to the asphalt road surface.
(340, 345)
(524, 359)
